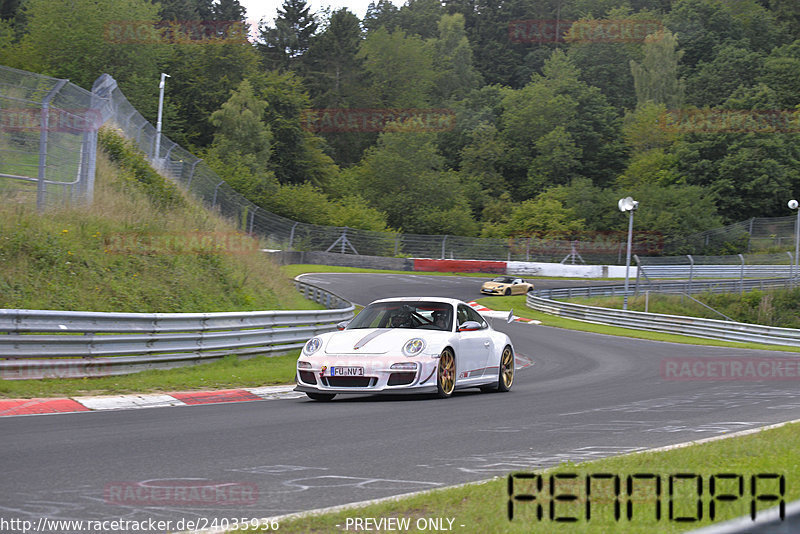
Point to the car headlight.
(312, 346)
(413, 346)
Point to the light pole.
(158, 123)
(630, 205)
(793, 204)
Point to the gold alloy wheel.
(506, 370)
(446, 375)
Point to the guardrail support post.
(691, 272)
(741, 276)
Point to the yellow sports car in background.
(506, 285)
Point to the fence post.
(44, 125)
(252, 218)
(443, 244)
(691, 272)
(741, 275)
(191, 173)
(214, 202)
(291, 235)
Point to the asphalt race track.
(586, 396)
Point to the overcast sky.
(258, 9)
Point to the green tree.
(284, 45)
(543, 217)
(420, 17)
(297, 155)
(782, 74)
(556, 162)
(382, 13)
(656, 77)
(714, 81)
(82, 39)
(400, 68)
(240, 133)
(354, 212)
(203, 76)
(559, 98)
(452, 60)
(404, 176)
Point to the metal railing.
(43, 343)
(687, 287)
(672, 324)
(731, 266)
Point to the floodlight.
(793, 204)
(627, 204)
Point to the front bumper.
(493, 290)
(376, 379)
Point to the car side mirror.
(342, 325)
(469, 326)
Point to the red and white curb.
(493, 314)
(11, 407)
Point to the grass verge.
(484, 507)
(521, 310)
(229, 372)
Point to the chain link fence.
(48, 138)
(759, 234)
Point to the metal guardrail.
(672, 324)
(76, 344)
(703, 286)
(718, 271)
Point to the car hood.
(373, 340)
(494, 284)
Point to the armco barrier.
(687, 287)
(41, 343)
(672, 324)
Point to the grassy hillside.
(142, 246)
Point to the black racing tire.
(508, 291)
(446, 374)
(323, 397)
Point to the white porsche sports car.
(407, 345)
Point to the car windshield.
(400, 314)
(503, 279)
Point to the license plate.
(347, 371)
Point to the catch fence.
(48, 137)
